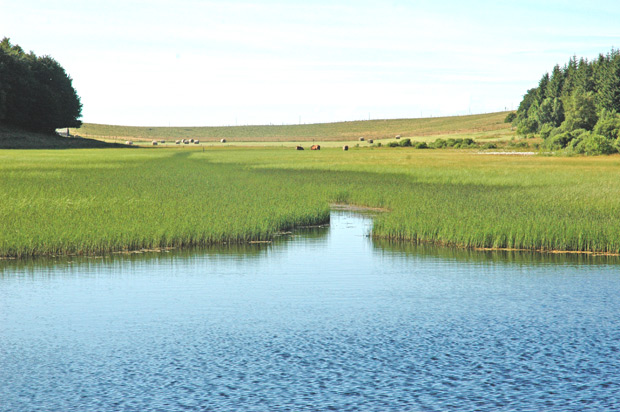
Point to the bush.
(510, 117)
(527, 126)
(546, 130)
(420, 145)
(489, 146)
(608, 125)
(518, 144)
(439, 144)
(561, 140)
(393, 144)
(593, 144)
(405, 143)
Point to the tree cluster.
(35, 92)
(576, 107)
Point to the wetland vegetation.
(98, 201)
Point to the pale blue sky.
(192, 63)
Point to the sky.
(236, 62)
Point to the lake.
(321, 319)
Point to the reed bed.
(99, 201)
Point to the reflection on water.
(496, 256)
(322, 319)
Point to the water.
(324, 319)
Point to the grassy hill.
(13, 138)
(489, 125)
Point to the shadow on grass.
(12, 138)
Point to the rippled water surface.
(324, 319)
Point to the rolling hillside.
(491, 123)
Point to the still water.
(322, 319)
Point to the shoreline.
(288, 231)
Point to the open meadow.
(486, 126)
(93, 201)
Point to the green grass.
(97, 201)
(491, 124)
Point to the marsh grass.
(97, 201)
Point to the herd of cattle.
(195, 141)
(180, 141)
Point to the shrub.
(405, 143)
(518, 144)
(420, 145)
(393, 144)
(527, 126)
(608, 125)
(593, 144)
(546, 130)
(561, 139)
(489, 146)
(510, 117)
(438, 144)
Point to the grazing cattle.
(185, 141)
(191, 140)
(361, 139)
(299, 148)
(315, 147)
(177, 142)
(196, 141)
(397, 136)
(223, 140)
(129, 142)
(345, 148)
(162, 141)
(370, 141)
(154, 142)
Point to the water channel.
(321, 319)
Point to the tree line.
(35, 92)
(576, 107)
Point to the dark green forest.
(35, 92)
(576, 107)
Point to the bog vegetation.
(576, 108)
(95, 201)
(36, 93)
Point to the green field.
(489, 125)
(97, 201)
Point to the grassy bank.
(93, 201)
(491, 124)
